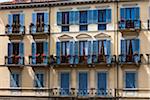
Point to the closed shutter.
(102, 83)
(130, 80)
(95, 51)
(128, 15)
(83, 83)
(136, 49)
(34, 17)
(90, 16)
(76, 17)
(10, 21)
(59, 18)
(64, 83)
(22, 29)
(33, 53)
(58, 53)
(95, 16)
(46, 22)
(108, 15)
(10, 51)
(122, 13)
(21, 52)
(76, 52)
(46, 52)
(71, 60)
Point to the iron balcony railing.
(129, 24)
(136, 58)
(38, 28)
(39, 60)
(14, 60)
(15, 29)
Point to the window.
(101, 83)
(15, 53)
(65, 51)
(40, 22)
(83, 83)
(65, 28)
(130, 79)
(65, 83)
(14, 79)
(83, 51)
(39, 80)
(102, 19)
(130, 49)
(16, 19)
(40, 52)
(65, 18)
(83, 21)
(101, 26)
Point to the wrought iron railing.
(15, 60)
(39, 60)
(14, 29)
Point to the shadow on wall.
(2, 27)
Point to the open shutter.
(22, 29)
(95, 51)
(123, 51)
(21, 52)
(14, 80)
(90, 16)
(10, 21)
(41, 79)
(108, 15)
(71, 60)
(102, 83)
(58, 48)
(46, 22)
(83, 83)
(34, 17)
(10, 51)
(136, 49)
(95, 16)
(76, 17)
(33, 53)
(108, 50)
(137, 13)
(59, 18)
(76, 52)
(46, 52)
(89, 60)
(64, 83)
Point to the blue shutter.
(59, 18)
(122, 13)
(63, 48)
(76, 17)
(123, 50)
(133, 14)
(108, 46)
(102, 83)
(39, 80)
(89, 61)
(14, 80)
(76, 52)
(71, 60)
(46, 22)
(108, 15)
(130, 80)
(137, 13)
(33, 53)
(64, 83)
(128, 14)
(83, 83)
(46, 52)
(10, 51)
(90, 16)
(22, 19)
(58, 48)
(10, 21)
(21, 52)
(95, 51)
(72, 17)
(136, 49)
(95, 16)
(34, 16)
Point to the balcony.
(14, 61)
(38, 60)
(130, 27)
(16, 30)
(83, 93)
(39, 30)
(130, 59)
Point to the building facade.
(95, 49)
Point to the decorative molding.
(16, 12)
(65, 9)
(40, 10)
(83, 8)
(83, 36)
(102, 7)
(65, 37)
(102, 36)
(129, 5)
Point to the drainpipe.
(49, 45)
